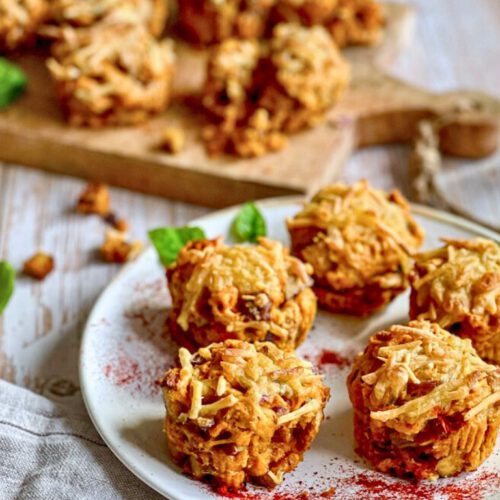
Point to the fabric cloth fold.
(48, 451)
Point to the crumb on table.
(173, 140)
(95, 199)
(114, 221)
(39, 266)
(117, 249)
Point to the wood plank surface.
(457, 44)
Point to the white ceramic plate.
(125, 349)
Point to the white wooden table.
(457, 44)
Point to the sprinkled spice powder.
(144, 355)
(122, 371)
(327, 357)
(375, 486)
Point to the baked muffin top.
(363, 235)
(264, 274)
(462, 278)
(411, 374)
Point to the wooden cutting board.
(376, 109)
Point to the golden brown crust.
(117, 249)
(458, 287)
(87, 13)
(239, 412)
(308, 12)
(244, 292)
(257, 93)
(39, 266)
(356, 22)
(114, 74)
(19, 21)
(210, 21)
(359, 242)
(425, 404)
(94, 199)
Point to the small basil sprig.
(12, 82)
(168, 241)
(249, 224)
(7, 281)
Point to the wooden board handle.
(387, 110)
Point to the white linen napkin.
(48, 452)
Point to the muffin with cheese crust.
(87, 13)
(425, 404)
(244, 292)
(240, 412)
(360, 243)
(306, 12)
(458, 287)
(19, 21)
(356, 22)
(211, 21)
(302, 77)
(113, 74)
(257, 93)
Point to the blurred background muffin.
(86, 13)
(19, 21)
(210, 21)
(116, 74)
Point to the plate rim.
(417, 209)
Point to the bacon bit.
(39, 266)
(95, 199)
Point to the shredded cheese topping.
(308, 65)
(19, 20)
(239, 374)
(364, 236)
(263, 276)
(423, 354)
(459, 280)
(114, 63)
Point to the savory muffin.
(303, 76)
(356, 22)
(86, 13)
(230, 79)
(425, 404)
(306, 12)
(245, 292)
(360, 242)
(19, 21)
(113, 74)
(258, 93)
(211, 21)
(458, 287)
(239, 412)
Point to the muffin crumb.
(39, 266)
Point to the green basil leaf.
(169, 241)
(249, 224)
(12, 82)
(7, 280)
